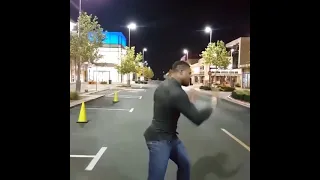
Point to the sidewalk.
(93, 87)
(223, 95)
(84, 99)
(88, 96)
(242, 103)
(219, 94)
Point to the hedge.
(141, 82)
(207, 88)
(74, 96)
(221, 88)
(241, 95)
(226, 88)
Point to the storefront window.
(246, 80)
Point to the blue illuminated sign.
(115, 38)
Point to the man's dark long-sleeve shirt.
(169, 101)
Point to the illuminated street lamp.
(185, 51)
(232, 50)
(131, 26)
(144, 50)
(208, 30)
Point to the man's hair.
(179, 65)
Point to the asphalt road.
(216, 148)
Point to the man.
(161, 137)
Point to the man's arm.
(180, 100)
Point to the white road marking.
(141, 86)
(106, 109)
(140, 97)
(82, 156)
(135, 90)
(96, 159)
(112, 93)
(236, 139)
(125, 96)
(131, 109)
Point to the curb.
(89, 98)
(230, 99)
(89, 93)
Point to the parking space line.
(131, 109)
(140, 97)
(135, 90)
(112, 93)
(82, 156)
(125, 96)
(236, 139)
(96, 159)
(107, 109)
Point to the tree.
(139, 65)
(129, 63)
(148, 73)
(139, 70)
(216, 55)
(84, 45)
(138, 58)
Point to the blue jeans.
(159, 154)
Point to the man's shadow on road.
(111, 173)
(212, 164)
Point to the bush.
(207, 88)
(124, 85)
(238, 85)
(226, 88)
(92, 82)
(103, 82)
(74, 96)
(241, 95)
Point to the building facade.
(238, 71)
(240, 54)
(112, 52)
(103, 70)
(201, 74)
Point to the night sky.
(166, 27)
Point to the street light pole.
(132, 26)
(78, 81)
(129, 37)
(209, 30)
(80, 4)
(185, 51)
(144, 50)
(144, 62)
